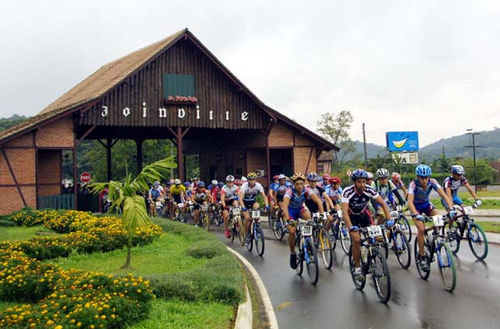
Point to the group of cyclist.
(365, 202)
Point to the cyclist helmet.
(370, 175)
(229, 178)
(201, 184)
(275, 177)
(423, 170)
(326, 176)
(313, 177)
(281, 176)
(187, 184)
(221, 184)
(251, 175)
(298, 176)
(359, 173)
(177, 181)
(396, 177)
(237, 182)
(214, 182)
(195, 178)
(334, 180)
(156, 184)
(457, 169)
(382, 173)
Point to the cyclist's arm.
(447, 199)
(318, 202)
(381, 202)
(398, 196)
(471, 191)
(328, 201)
(345, 214)
(286, 202)
(411, 206)
(266, 202)
(240, 198)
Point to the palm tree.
(127, 195)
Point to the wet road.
(415, 303)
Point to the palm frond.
(134, 213)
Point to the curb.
(244, 315)
(271, 316)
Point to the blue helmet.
(201, 184)
(187, 184)
(457, 169)
(220, 184)
(313, 177)
(359, 173)
(423, 170)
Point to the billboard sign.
(399, 141)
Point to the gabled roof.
(113, 73)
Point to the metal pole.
(108, 158)
(138, 143)
(364, 146)
(474, 161)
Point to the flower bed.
(70, 298)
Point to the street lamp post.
(470, 132)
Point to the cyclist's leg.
(355, 240)
(420, 229)
(225, 216)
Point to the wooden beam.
(108, 158)
(138, 144)
(36, 168)
(185, 132)
(87, 132)
(114, 142)
(102, 143)
(180, 157)
(310, 155)
(14, 177)
(75, 173)
(173, 132)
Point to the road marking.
(268, 306)
(283, 305)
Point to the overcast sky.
(431, 66)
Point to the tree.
(127, 195)
(335, 128)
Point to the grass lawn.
(493, 227)
(486, 204)
(165, 255)
(4, 305)
(15, 233)
(187, 315)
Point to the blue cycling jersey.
(421, 195)
(296, 200)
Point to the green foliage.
(335, 128)
(205, 249)
(6, 123)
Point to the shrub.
(204, 249)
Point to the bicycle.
(256, 234)
(478, 243)
(306, 251)
(322, 241)
(372, 262)
(396, 240)
(403, 222)
(276, 223)
(235, 224)
(436, 244)
(216, 214)
(204, 215)
(339, 231)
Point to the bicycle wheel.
(259, 240)
(405, 227)
(249, 243)
(359, 283)
(325, 248)
(446, 266)
(401, 248)
(423, 274)
(241, 233)
(453, 236)
(381, 276)
(276, 227)
(345, 238)
(477, 241)
(311, 261)
(333, 236)
(300, 258)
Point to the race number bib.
(255, 214)
(307, 230)
(374, 231)
(394, 214)
(236, 211)
(468, 210)
(438, 220)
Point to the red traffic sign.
(85, 177)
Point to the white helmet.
(177, 181)
(370, 175)
(382, 173)
(243, 179)
(229, 178)
(214, 182)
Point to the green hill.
(6, 123)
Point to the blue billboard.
(398, 141)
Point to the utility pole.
(470, 132)
(364, 146)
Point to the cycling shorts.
(294, 213)
(313, 207)
(362, 220)
(424, 208)
(177, 198)
(249, 204)
(279, 197)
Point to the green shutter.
(178, 85)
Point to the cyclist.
(194, 183)
(418, 203)
(312, 179)
(326, 183)
(398, 182)
(229, 197)
(271, 197)
(177, 191)
(248, 198)
(294, 208)
(387, 190)
(369, 180)
(155, 194)
(200, 196)
(452, 184)
(335, 196)
(356, 212)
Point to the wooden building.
(173, 89)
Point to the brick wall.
(256, 159)
(304, 160)
(281, 136)
(24, 140)
(301, 140)
(56, 134)
(49, 172)
(10, 200)
(22, 162)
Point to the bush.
(204, 249)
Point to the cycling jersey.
(453, 184)
(155, 193)
(318, 191)
(200, 195)
(334, 193)
(273, 186)
(421, 195)
(358, 202)
(230, 193)
(296, 200)
(280, 190)
(215, 192)
(385, 191)
(177, 189)
(250, 192)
